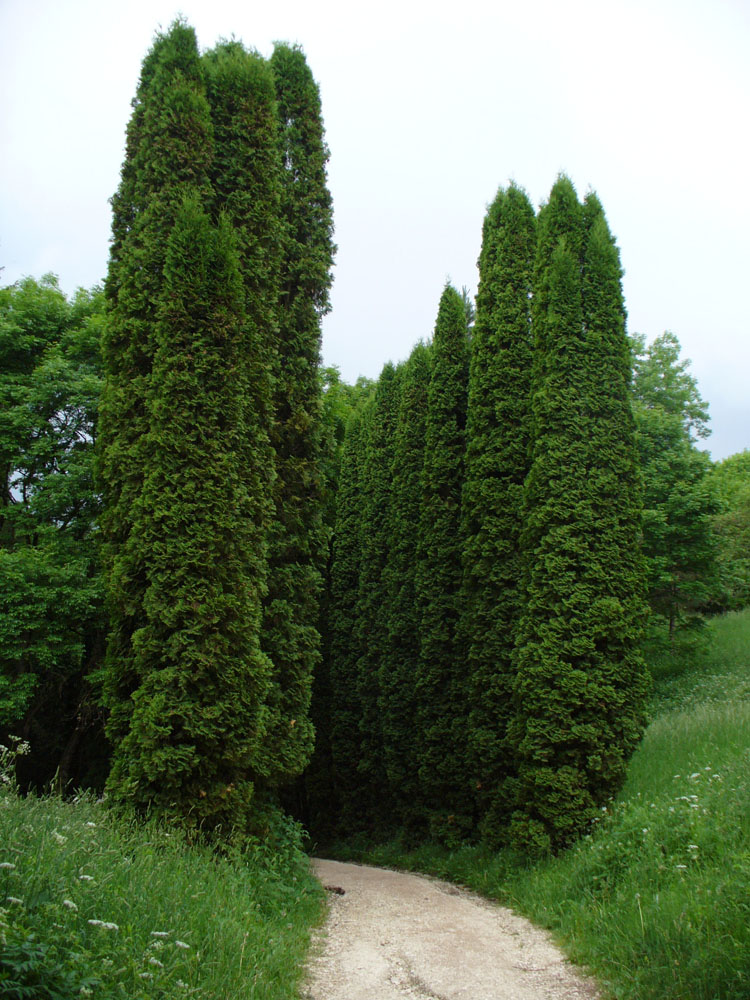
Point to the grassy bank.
(90, 906)
(656, 900)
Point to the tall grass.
(656, 900)
(92, 906)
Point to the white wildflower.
(692, 847)
(680, 866)
(183, 986)
(58, 837)
(181, 944)
(159, 934)
(7, 865)
(70, 905)
(90, 824)
(15, 899)
(105, 925)
(155, 961)
(86, 878)
(146, 975)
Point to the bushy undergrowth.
(91, 906)
(656, 899)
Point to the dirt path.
(391, 936)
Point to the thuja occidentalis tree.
(187, 463)
(580, 683)
(497, 445)
(198, 726)
(441, 678)
(344, 644)
(296, 551)
(396, 672)
(371, 629)
(168, 154)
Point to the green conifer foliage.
(441, 674)
(371, 628)
(581, 683)
(396, 672)
(317, 802)
(345, 569)
(497, 445)
(247, 188)
(169, 151)
(198, 715)
(297, 538)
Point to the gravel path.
(391, 936)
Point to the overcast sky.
(429, 108)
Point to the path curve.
(391, 936)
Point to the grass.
(91, 906)
(656, 900)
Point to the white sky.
(429, 107)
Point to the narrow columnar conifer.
(297, 538)
(441, 675)
(396, 672)
(373, 599)
(345, 571)
(186, 461)
(168, 153)
(580, 682)
(198, 713)
(246, 182)
(497, 445)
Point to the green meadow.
(93, 906)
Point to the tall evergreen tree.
(497, 445)
(580, 681)
(297, 539)
(371, 629)
(187, 462)
(396, 671)
(441, 675)
(168, 153)
(246, 183)
(318, 804)
(198, 714)
(344, 644)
